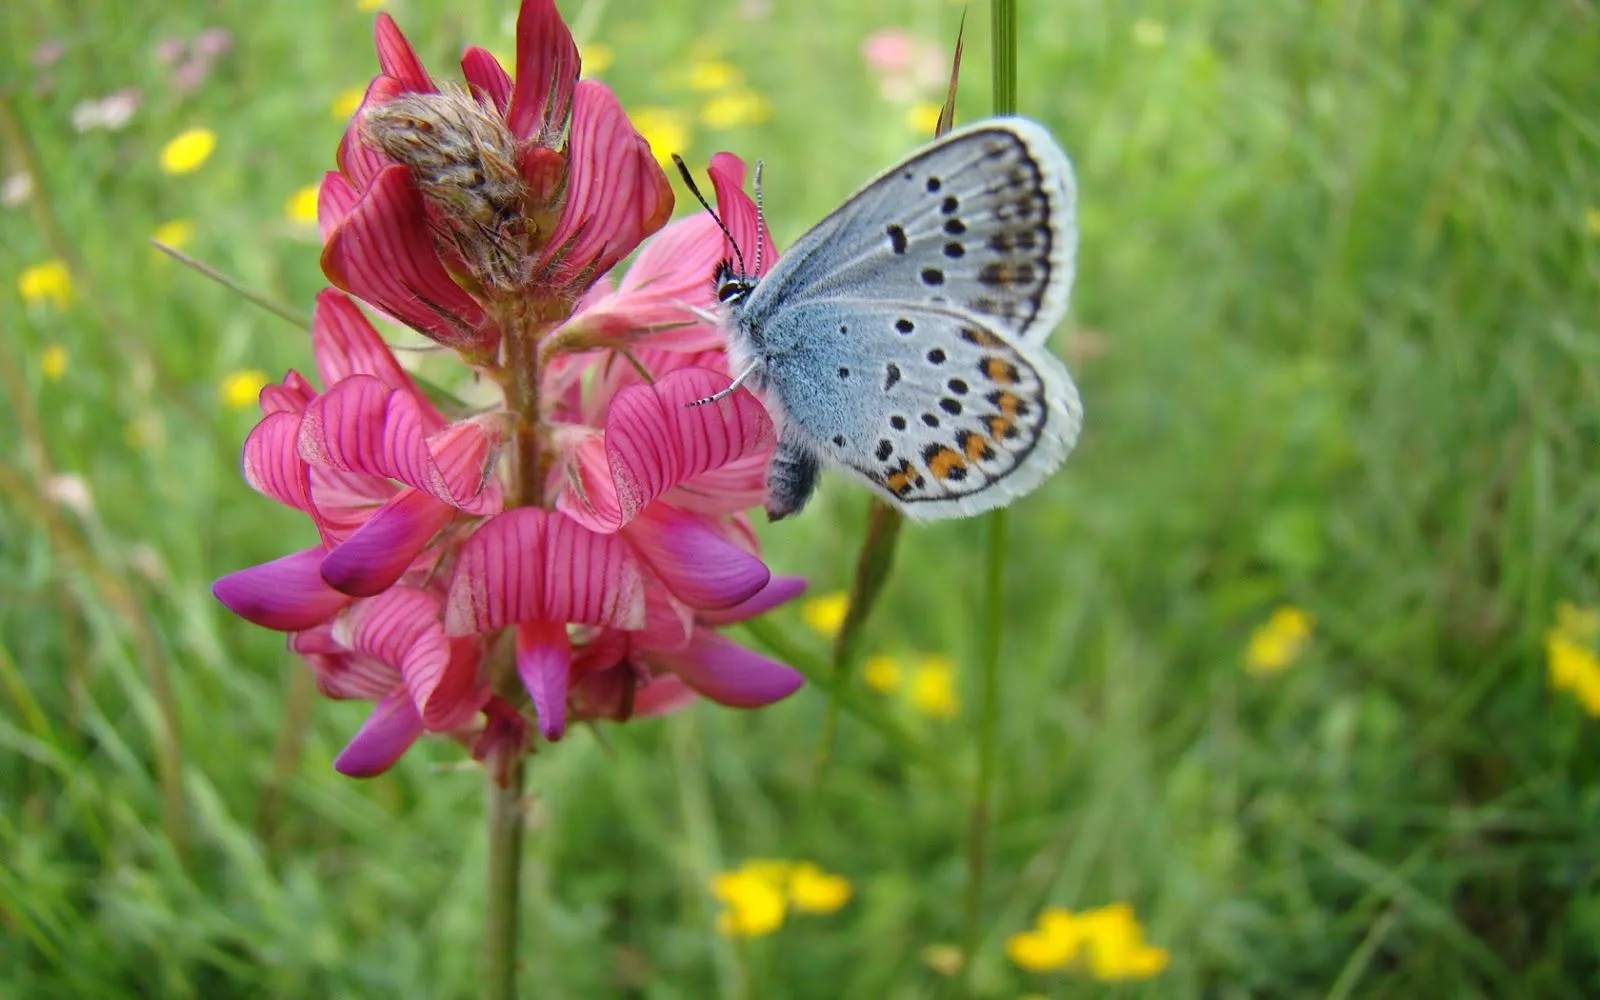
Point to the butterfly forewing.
(983, 220)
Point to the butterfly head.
(732, 285)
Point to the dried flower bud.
(464, 161)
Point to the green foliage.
(1336, 333)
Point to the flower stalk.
(1003, 39)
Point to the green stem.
(503, 913)
(1003, 38)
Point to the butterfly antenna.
(761, 217)
(688, 180)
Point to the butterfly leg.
(736, 383)
(791, 479)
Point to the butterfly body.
(902, 339)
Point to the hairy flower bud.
(464, 161)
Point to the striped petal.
(336, 199)
(396, 57)
(401, 627)
(384, 254)
(616, 192)
(530, 565)
(287, 594)
(729, 674)
(687, 554)
(547, 70)
(779, 590)
(380, 551)
(488, 78)
(345, 343)
(655, 440)
(544, 661)
(272, 462)
(388, 732)
(359, 162)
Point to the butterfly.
(903, 338)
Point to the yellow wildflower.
(825, 612)
(933, 688)
(241, 389)
(733, 110)
(302, 205)
(188, 151)
(347, 103)
(752, 905)
(664, 129)
(944, 958)
(596, 57)
(1110, 936)
(1573, 666)
(1149, 33)
(1277, 644)
(1591, 219)
(1036, 951)
(174, 234)
(882, 673)
(48, 282)
(923, 117)
(53, 362)
(812, 890)
(366, 6)
(712, 74)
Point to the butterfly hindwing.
(932, 408)
(983, 220)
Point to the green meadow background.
(1335, 328)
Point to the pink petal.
(388, 732)
(272, 462)
(616, 192)
(484, 72)
(662, 696)
(336, 199)
(547, 69)
(729, 674)
(384, 253)
(739, 213)
(341, 674)
(700, 567)
(363, 426)
(380, 551)
(654, 440)
(287, 594)
(401, 627)
(346, 343)
(779, 590)
(544, 658)
(737, 486)
(359, 162)
(396, 57)
(531, 565)
(289, 396)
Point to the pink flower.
(381, 473)
(578, 187)
(904, 66)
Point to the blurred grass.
(1341, 299)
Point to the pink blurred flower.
(590, 190)
(905, 66)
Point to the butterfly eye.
(733, 289)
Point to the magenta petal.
(388, 732)
(287, 594)
(616, 192)
(336, 199)
(346, 343)
(359, 162)
(739, 213)
(463, 457)
(655, 440)
(544, 661)
(547, 69)
(289, 396)
(590, 578)
(699, 566)
(779, 590)
(662, 695)
(379, 552)
(396, 56)
(384, 254)
(484, 72)
(401, 627)
(272, 462)
(729, 674)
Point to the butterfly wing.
(983, 220)
(932, 408)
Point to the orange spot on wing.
(976, 446)
(1000, 428)
(946, 462)
(983, 338)
(999, 370)
(1008, 403)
